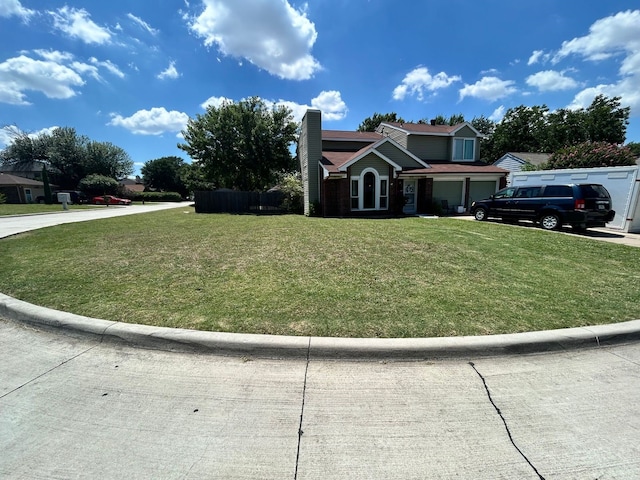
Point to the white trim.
(453, 150)
(378, 180)
(434, 134)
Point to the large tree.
(370, 124)
(165, 174)
(535, 129)
(69, 157)
(242, 145)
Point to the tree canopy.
(370, 124)
(165, 174)
(69, 157)
(243, 145)
(536, 129)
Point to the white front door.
(409, 196)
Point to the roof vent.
(432, 121)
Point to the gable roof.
(527, 157)
(8, 180)
(335, 162)
(428, 129)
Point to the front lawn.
(293, 275)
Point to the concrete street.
(72, 407)
(80, 401)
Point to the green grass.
(32, 208)
(408, 277)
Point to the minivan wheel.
(550, 221)
(480, 214)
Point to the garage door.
(449, 191)
(481, 190)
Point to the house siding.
(430, 148)
(397, 156)
(370, 161)
(465, 132)
(509, 163)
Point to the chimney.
(309, 156)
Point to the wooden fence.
(231, 201)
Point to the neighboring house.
(133, 185)
(401, 168)
(516, 161)
(32, 170)
(20, 189)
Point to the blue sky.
(132, 73)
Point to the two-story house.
(399, 169)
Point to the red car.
(110, 200)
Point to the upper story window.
(464, 149)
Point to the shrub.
(155, 197)
(292, 191)
(3, 198)
(98, 185)
(591, 155)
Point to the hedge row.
(155, 197)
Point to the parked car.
(581, 206)
(110, 200)
(76, 197)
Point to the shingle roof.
(8, 180)
(532, 158)
(457, 168)
(347, 135)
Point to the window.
(464, 149)
(383, 194)
(369, 191)
(558, 191)
(505, 193)
(354, 194)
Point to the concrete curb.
(275, 346)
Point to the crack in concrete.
(506, 426)
(304, 392)
(47, 372)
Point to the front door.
(409, 196)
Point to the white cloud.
(10, 132)
(142, 24)
(497, 114)
(331, 105)
(22, 73)
(607, 37)
(610, 37)
(535, 57)
(108, 65)
(170, 72)
(550, 81)
(151, 122)
(215, 102)
(419, 81)
(330, 102)
(11, 8)
(271, 35)
(77, 23)
(488, 88)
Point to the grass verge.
(33, 208)
(293, 275)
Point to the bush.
(155, 197)
(292, 191)
(3, 198)
(590, 155)
(94, 185)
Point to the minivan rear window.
(558, 191)
(593, 191)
